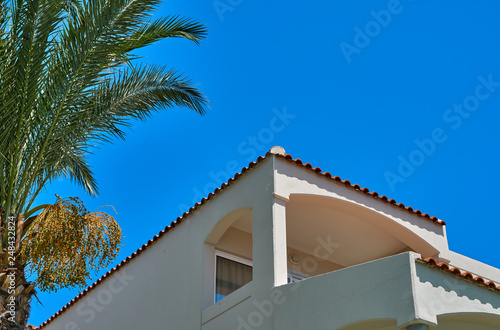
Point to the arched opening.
(379, 324)
(228, 255)
(466, 321)
(325, 234)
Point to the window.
(231, 273)
(294, 276)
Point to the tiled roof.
(31, 327)
(460, 273)
(287, 157)
(365, 190)
(113, 270)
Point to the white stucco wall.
(292, 179)
(171, 284)
(473, 266)
(166, 284)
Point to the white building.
(286, 246)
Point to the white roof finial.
(277, 150)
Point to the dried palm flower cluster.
(66, 242)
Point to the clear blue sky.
(362, 105)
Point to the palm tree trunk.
(15, 298)
(15, 291)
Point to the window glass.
(230, 276)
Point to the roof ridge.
(151, 241)
(455, 271)
(224, 185)
(357, 187)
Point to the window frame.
(231, 257)
(298, 276)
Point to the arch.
(367, 224)
(224, 223)
(379, 324)
(465, 321)
(232, 236)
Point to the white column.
(208, 276)
(269, 244)
(279, 242)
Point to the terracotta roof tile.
(431, 262)
(287, 157)
(357, 187)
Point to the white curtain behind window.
(230, 276)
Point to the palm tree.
(69, 81)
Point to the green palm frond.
(167, 27)
(68, 82)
